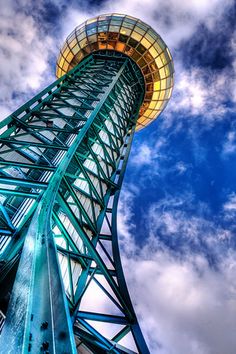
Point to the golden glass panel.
(73, 43)
(148, 57)
(136, 36)
(66, 52)
(153, 52)
(152, 104)
(167, 70)
(162, 95)
(65, 66)
(136, 55)
(125, 31)
(59, 72)
(156, 76)
(148, 78)
(83, 43)
(145, 43)
(156, 95)
(60, 58)
(147, 121)
(163, 58)
(157, 47)
(146, 70)
(81, 36)
(149, 38)
(75, 49)
(159, 62)
(163, 84)
(148, 111)
(79, 56)
(70, 57)
(153, 66)
(149, 87)
(151, 55)
(157, 85)
(159, 104)
(141, 62)
(153, 114)
(142, 119)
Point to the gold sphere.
(137, 40)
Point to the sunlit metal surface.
(137, 40)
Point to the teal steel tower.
(63, 156)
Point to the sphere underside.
(133, 38)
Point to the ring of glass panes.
(134, 38)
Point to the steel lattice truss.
(63, 157)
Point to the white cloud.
(24, 54)
(184, 306)
(148, 154)
(229, 146)
(181, 167)
(230, 205)
(143, 155)
(202, 94)
(229, 209)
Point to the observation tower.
(63, 158)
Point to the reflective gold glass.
(134, 38)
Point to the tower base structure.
(63, 157)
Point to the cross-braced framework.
(63, 157)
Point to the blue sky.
(178, 205)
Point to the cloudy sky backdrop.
(178, 206)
